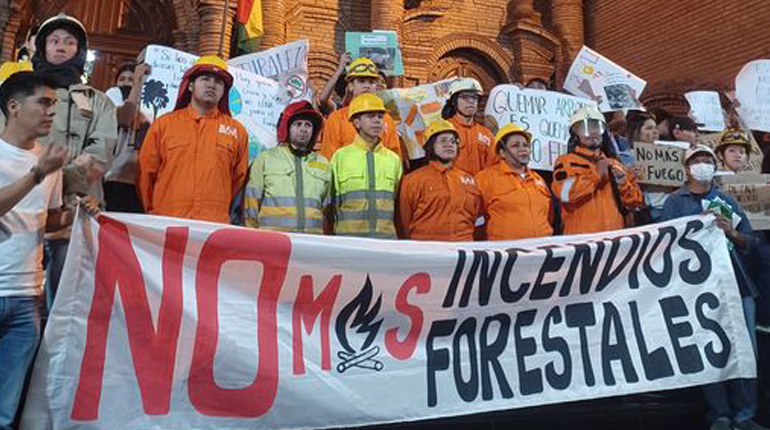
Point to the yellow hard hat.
(465, 84)
(211, 60)
(509, 129)
(437, 127)
(10, 67)
(365, 103)
(586, 113)
(211, 64)
(362, 68)
(733, 137)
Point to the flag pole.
(225, 17)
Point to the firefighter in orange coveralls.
(363, 77)
(195, 159)
(596, 191)
(517, 201)
(439, 201)
(477, 149)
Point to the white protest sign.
(752, 89)
(595, 77)
(255, 101)
(286, 64)
(165, 323)
(414, 108)
(545, 114)
(706, 109)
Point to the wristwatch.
(38, 175)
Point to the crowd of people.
(340, 171)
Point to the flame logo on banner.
(363, 315)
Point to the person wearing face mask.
(119, 182)
(595, 190)
(517, 201)
(85, 123)
(439, 201)
(477, 151)
(363, 78)
(289, 185)
(732, 404)
(194, 160)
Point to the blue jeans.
(19, 335)
(55, 254)
(735, 399)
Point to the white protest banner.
(752, 89)
(660, 164)
(286, 64)
(255, 101)
(706, 109)
(414, 108)
(752, 191)
(545, 114)
(596, 77)
(164, 323)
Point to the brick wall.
(681, 45)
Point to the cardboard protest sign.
(165, 323)
(752, 89)
(755, 158)
(379, 46)
(706, 109)
(596, 77)
(255, 101)
(414, 108)
(286, 64)
(752, 191)
(660, 164)
(545, 114)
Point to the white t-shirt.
(22, 229)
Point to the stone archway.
(468, 63)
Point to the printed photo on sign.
(596, 77)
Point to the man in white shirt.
(30, 205)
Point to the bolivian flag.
(250, 27)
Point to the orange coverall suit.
(438, 203)
(477, 147)
(588, 202)
(339, 132)
(191, 166)
(515, 206)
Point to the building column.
(387, 14)
(533, 46)
(568, 18)
(274, 21)
(211, 13)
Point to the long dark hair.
(636, 122)
(606, 147)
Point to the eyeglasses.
(469, 97)
(361, 68)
